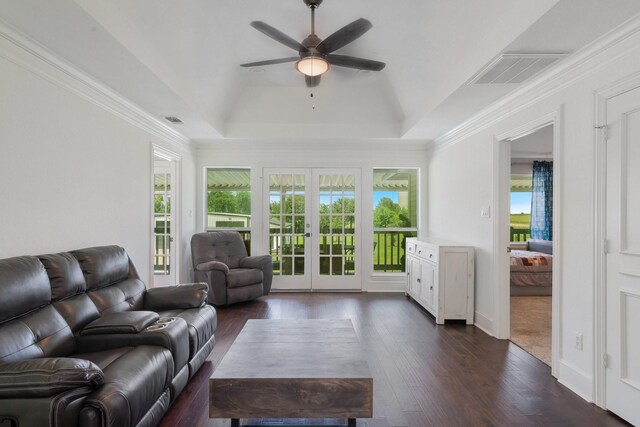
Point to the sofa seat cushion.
(201, 324)
(243, 277)
(134, 379)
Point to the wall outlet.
(485, 212)
(579, 345)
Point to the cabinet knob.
(431, 287)
(418, 280)
(430, 255)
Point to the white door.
(313, 227)
(623, 258)
(163, 257)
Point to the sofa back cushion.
(223, 246)
(68, 289)
(29, 326)
(24, 287)
(65, 275)
(41, 333)
(103, 265)
(112, 282)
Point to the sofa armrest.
(213, 265)
(47, 376)
(125, 322)
(255, 261)
(188, 295)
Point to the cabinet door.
(414, 277)
(428, 285)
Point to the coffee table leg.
(235, 422)
(351, 422)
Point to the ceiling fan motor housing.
(312, 3)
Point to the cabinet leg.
(351, 422)
(235, 422)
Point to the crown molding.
(338, 145)
(28, 54)
(575, 67)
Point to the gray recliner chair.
(220, 259)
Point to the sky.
(520, 203)
(377, 195)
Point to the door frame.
(176, 255)
(501, 240)
(601, 98)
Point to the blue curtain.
(542, 201)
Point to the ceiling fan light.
(312, 66)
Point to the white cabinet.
(441, 278)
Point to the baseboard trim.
(483, 323)
(576, 380)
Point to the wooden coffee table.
(293, 369)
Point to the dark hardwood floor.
(424, 375)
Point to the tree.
(389, 214)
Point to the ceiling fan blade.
(355, 62)
(271, 62)
(344, 35)
(312, 81)
(278, 35)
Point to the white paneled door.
(313, 219)
(623, 257)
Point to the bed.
(531, 269)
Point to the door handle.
(508, 249)
(307, 234)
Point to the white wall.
(365, 155)
(72, 173)
(466, 164)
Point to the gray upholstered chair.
(220, 260)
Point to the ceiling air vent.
(514, 68)
(173, 119)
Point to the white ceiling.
(181, 58)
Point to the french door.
(313, 217)
(164, 272)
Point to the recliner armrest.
(213, 265)
(186, 295)
(47, 376)
(256, 261)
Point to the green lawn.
(520, 220)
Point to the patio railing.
(520, 234)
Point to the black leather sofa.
(84, 343)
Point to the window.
(521, 191)
(395, 217)
(229, 201)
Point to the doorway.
(164, 221)
(502, 238)
(531, 242)
(313, 231)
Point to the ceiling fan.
(315, 55)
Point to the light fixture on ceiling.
(312, 66)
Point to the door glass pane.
(161, 226)
(287, 223)
(337, 233)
